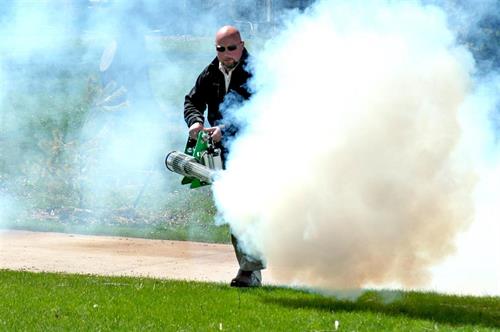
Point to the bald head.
(229, 46)
(227, 31)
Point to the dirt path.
(116, 256)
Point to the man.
(221, 84)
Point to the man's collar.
(225, 70)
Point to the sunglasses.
(222, 49)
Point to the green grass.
(46, 301)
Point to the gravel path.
(116, 256)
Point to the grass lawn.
(47, 301)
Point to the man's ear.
(242, 43)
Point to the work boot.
(247, 279)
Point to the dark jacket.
(210, 91)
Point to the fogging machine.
(199, 163)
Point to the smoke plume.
(353, 168)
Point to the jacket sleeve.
(195, 102)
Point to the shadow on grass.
(447, 309)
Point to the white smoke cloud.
(7, 209)
(35, 29)
(474, 268)
(353, 169)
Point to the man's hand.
(215, 133)
(195, 129)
